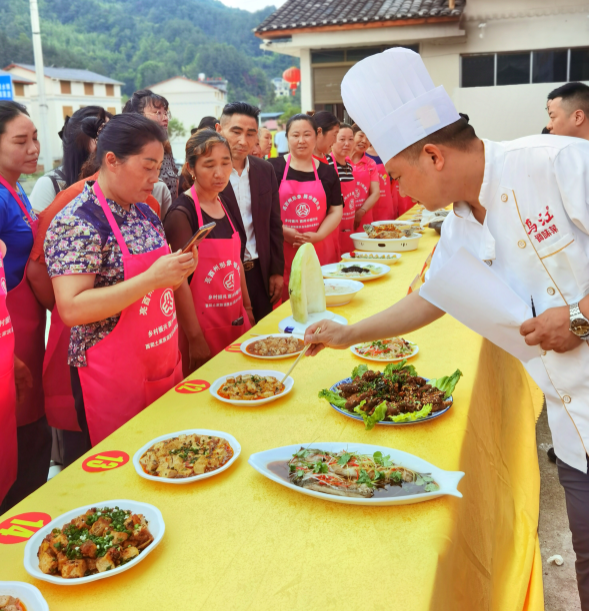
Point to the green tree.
(176, 128)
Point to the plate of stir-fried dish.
(356, 473)
(387, 350)
(274, 346)
(94, 542)
(186, 456)
(393, 397)
(20, 596)
(251, 388)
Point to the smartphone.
(237, 322)
(198, 237)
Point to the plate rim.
(34, 542)
(187, 480)
(375, 360)
(384, 272)
(251, 340)
(278, 374)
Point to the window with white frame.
(524, 67)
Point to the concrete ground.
(560, 583)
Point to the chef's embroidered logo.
(535, 228)
(229, 281)
(303, 210)
(167, 302)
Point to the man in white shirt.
(522, 208)
(281, 141)
(568, 111)
(251, 198)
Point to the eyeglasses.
(160, 114)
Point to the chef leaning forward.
(522, 207)
(114, 277)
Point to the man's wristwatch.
(579, 324)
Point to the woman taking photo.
(340, 161)
(114, 277)
(310, 197)
(327, 129)
(366, 178)
(19, 152)
(215, 309)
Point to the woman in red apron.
(328, 126)
(215, 309)
(114, 277)
(367, 179)
(19, 152)
(310, 197)
(340, 161)
(385, 209)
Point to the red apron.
(216, 289)
(362, 176)
(8, 445)
(303, 206)
(346, 226)
(384, 209)
(402, 204)
(139, 360)
(59, 400)
(28, 321)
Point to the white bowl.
(327, 270)
(186, 480)
(29, 595)
(447, 480)
(347, 291)
(369, 257)
(216, 385)
(253, 340)
(363, 242)
(154, 519)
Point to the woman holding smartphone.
(215, 309)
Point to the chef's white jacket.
(535, 237)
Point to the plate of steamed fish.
(356, 473)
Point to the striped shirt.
(344, 171)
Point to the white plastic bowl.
(29, 595)
(347, 290)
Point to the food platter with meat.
(397, 396)
(273, 347)
(252, 387)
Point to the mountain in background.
(143, 42)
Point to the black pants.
(576, 489)
(34, 455)
(258, 291)
(76, 443)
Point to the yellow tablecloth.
(239, 541)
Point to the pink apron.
(28, 321)
(59, 400)
(362, 176)
(216, 290)
(303, 206)
(402, 204)
(346, 226)
(8, 445)
(139, 360)
(384, 209)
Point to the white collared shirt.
(243, 195)
(535, 237)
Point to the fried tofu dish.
(276, 346)
(250, 388)
(100, 540)
(186, 456)
(10, 603)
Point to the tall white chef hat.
(393, 100)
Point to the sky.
(252, 5)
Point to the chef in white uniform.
(522, 208)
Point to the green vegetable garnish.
(377, 415)
(359, 371)
(401, 367)
(320, 467)
(332, 397)
(447, 383)
(344, 459)
(413, 416)
(383, 461)
(365, 478)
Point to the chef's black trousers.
(576, 489)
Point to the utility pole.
(43, 128)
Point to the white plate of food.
(381, 257)
(261, 386)
(105, 535)
(387, 236)
(355, 271)
(341, 292)
(273, 347)
(356, 473)
(186, 456)
(22, 596)
(388, 350)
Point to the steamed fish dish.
(275, 346)
(186, 456)
(250, 388)
(100, 540)
(390, 231)
(347, 473)
(397, 394)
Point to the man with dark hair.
(252, 198)
(210, 122)
(522, 208)
(568, 109)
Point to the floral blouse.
(79, 240)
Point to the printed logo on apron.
(303, 210)
(229, 281)
(167, 302)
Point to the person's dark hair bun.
(92, 126)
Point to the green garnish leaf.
(383, 461)
(413, 416)
(359, 371)
(447, 383)
(377, 415)
(364, 478)
(431, 487)
(332, 397)
(401, 367)
(344, 459)
(320, 467)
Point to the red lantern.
(292, 76)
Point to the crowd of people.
(101, 245)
